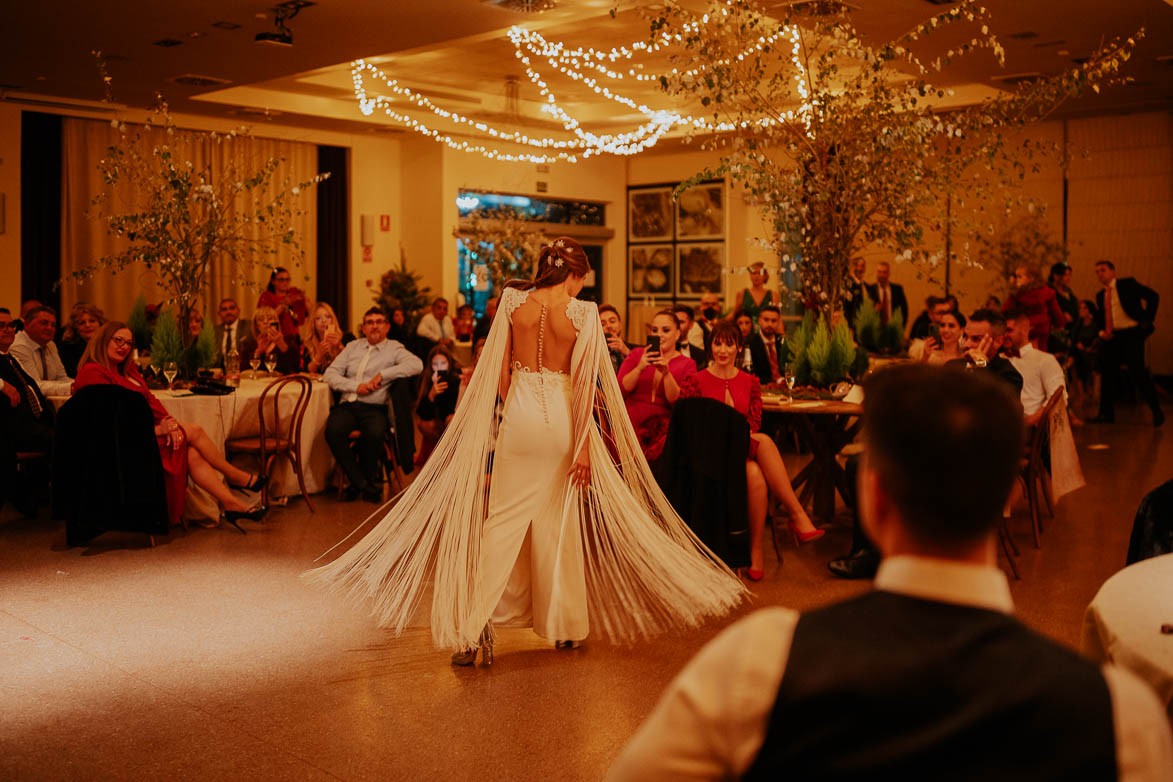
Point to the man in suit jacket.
(888, 296)
(686, 319)
(26, 421)
(1126, 313)
(231, 331)
(767, 348)
(854, 290)
(918, 678)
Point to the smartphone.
(935, 332)
(653, 345)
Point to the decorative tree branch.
(506, 243)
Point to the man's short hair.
(35, 311)
(933, 301)
(374, 311)
(439, 301)
(609, 308)
(945, 445)
(1107, 263)
(770, 308)
(684, 309)
(5, 310)
(1015, 313)
(227, 298)
(993, 317)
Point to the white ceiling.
(456, 52)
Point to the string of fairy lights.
(577, 65)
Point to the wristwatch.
(980, 362)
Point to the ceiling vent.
(167, 43)
(195, 80)
(1026, 35)
(226, 25)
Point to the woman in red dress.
(185, 449)
(651, 383)
(723, 381)
(1040, 304)
(288, 301)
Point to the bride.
(539, 511)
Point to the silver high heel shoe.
(484, 645)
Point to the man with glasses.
(362, 372)
(36, 351)
(26, 421)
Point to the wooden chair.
(396, 478)
(280, 435)
(1034, 476)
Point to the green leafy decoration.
(139, 325)
(400, 287)
(166, 343)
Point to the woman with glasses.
(185, 448)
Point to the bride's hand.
(580, 472)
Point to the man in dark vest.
(1125, 313)
(929, 676)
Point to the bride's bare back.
(543, 336)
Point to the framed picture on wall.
(649, 214)
(699, 268)
(700, 212)
(649, 270)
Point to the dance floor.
(206, 658)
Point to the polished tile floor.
(206, 658)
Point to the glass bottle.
(232, 367)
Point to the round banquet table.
(1123, 624)
(237, 415)
(825, 427)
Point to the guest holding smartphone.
(651, 378)
(270, 345)
(437, 400)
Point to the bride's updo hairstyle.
(560, 259)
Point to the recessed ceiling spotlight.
(226, 25)
(195, 34)
(167, 43)
(1026, 35)
(1062, 52)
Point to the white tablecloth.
(237, 415)
(1123, 624)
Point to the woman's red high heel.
(754, 575)
(804, 537)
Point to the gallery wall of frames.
(675, 249)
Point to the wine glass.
(271, 362)
(790, 382)
(170, 370)
(255, 363)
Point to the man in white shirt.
(362, 372)
(231, 331)
(436, 325)
(888, 296)
(929, 674)
(36, 351)
(1041, 374)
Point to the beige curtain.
(84, 238)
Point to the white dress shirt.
(434, 329)
(43, 365)
(1041, 377)
(360, 361)
(711, 721)
(1120, 319)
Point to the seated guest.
(613, 331)
(439, 393)
(325, 341)
(465, 323)
(651, 381)
(436, 326)
(25, 308)
(985, 337)
(195, 324)
(992, 303)
(723, 381)
(287, 301)
(26, 422)
(744, 324)
(466, 373)
(1041, 374)
(84, 322)
(231, 331)
(185, 448)
(1085, 347)
(888, 296)
(36, 351)
(486, 323)
(920, 677)
(269, 343)
(944, 347)
(362, 372)
(935, 307)
(688, 348)
(710, 315)
(767, 348)
(397, 327)
(1038, 301)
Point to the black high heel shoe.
(233, 517)
(256, 483)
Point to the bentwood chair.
(280, 430)
(1035, 477)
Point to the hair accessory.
(554, 258)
